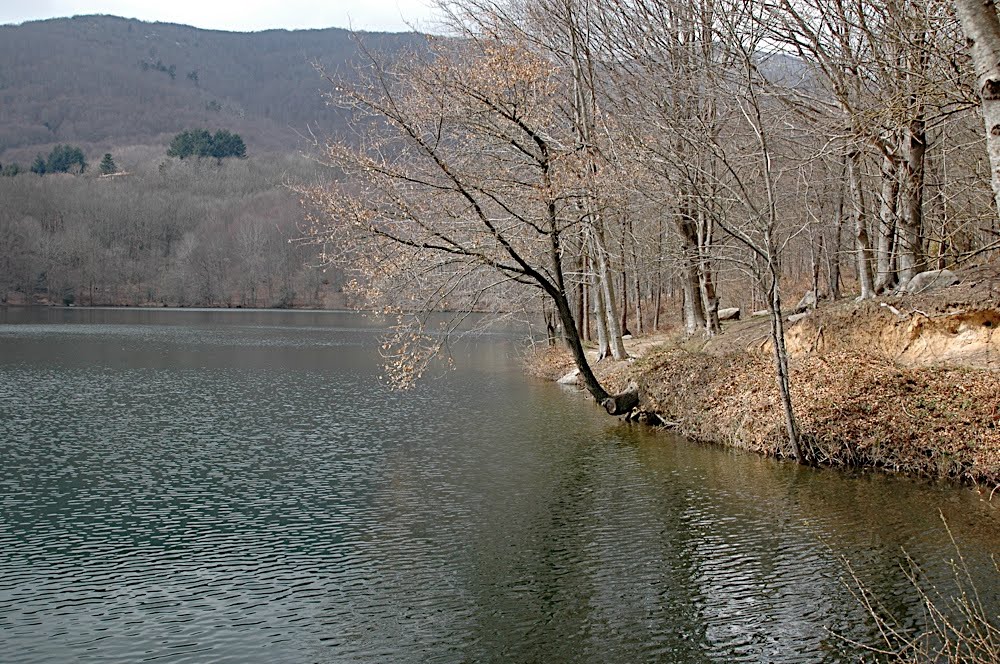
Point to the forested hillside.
(146, 163)
(103, 81)
(170, 231)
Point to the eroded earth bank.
(905, 383)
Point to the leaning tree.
(461, 191)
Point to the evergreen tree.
(108, 165)
(201, 143)
(181, 146)
(228, 144)
(63, 158)
(191, 143)
(38, 166)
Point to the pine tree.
(108, 165)
(228, 144)
(191, 143)
(201, 143)
(38, 166)
(63, 158)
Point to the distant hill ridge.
(104, 81)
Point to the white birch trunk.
(982, 29)
(885, 244)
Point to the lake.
(239, 486)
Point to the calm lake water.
(237, 486)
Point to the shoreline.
(903, 385)
(732, 401)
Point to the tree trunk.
(694, 316)
(709, 301)
(816, 253)
(625, 329)
(885, 245)
(658, 302)
(706, 286)
(862, 245)
(833, 252)
(694, 308)
(614, 331)
(982, 30)
(576, 347)
(621, 404)
(581, 297)
(550, 324)
(600, 316)
(781, 361)
(658, 299)
(636, 282)
(638, 303)
(911, 221)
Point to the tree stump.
(620, 404)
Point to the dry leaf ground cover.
(863, 397)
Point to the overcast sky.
(375, 15)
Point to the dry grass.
(862, 409)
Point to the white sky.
(248, 15)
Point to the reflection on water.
(238, 486)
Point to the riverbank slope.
(903, 383)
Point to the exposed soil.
(903, 383)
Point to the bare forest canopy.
(133, 122)
(762, 142)
(193, 232)
(103, 82)
(618, 160)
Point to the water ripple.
(173, 493)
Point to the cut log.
(732, 313)
(807, 302)
(931, 280)
(619, 404)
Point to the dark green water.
(185, 486)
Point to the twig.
(815, 343)
(894, 310)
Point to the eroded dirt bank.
(904, 383)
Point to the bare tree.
(762, 232)
(662, 60)
(466, 188)
(982, 28)
(563, 31)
